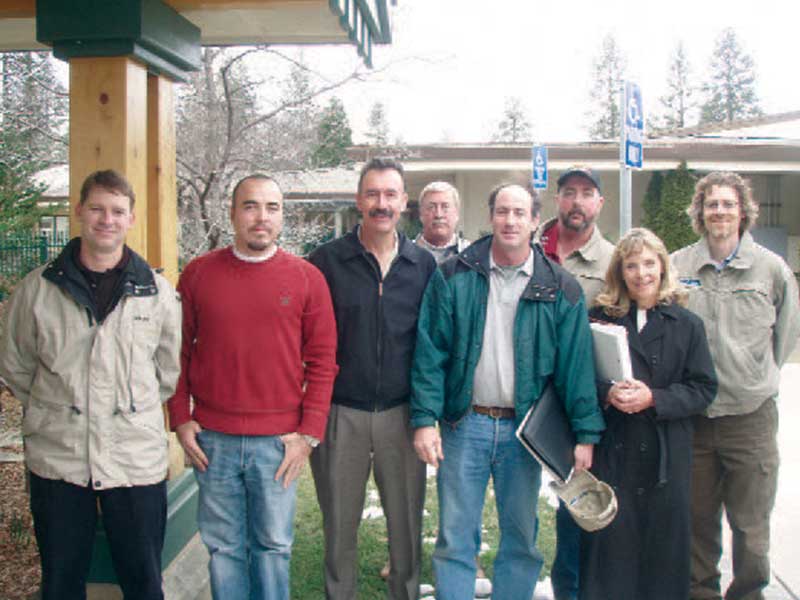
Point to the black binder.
(547, 434)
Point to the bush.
(666, 200)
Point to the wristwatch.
(311, 440)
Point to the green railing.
(23, 252)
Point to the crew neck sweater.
(259, 346)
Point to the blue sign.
(634, 125)
(539, 167)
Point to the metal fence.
(23, 252)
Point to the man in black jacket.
(377, 277)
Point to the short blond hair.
(614, 298)
(725, 179)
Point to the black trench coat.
(644, 553)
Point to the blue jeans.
(566, 565)
(245, 517)
(475, 448)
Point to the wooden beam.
(17, 9)
(162, 205)
(107, 130)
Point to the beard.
(565, 221)
(258, 246)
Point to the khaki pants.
(736, 467)
(355, 441)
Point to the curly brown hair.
(726, 179)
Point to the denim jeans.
(245, 517)
(566, 565)
(65, 522)
(475, 448)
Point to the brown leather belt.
(496, 412)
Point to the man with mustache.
(497, 322)
(438, 211)
(573, 240)
(377, 277)
(258, 363)
(90, 348)
(748, 300)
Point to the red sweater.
(259, 346)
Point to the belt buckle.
(495, 412)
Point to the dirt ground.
(19, 556)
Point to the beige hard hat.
(591, 502)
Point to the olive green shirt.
(751, 312)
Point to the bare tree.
(232, 122)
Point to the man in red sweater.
(258, 361)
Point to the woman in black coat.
(646, 451)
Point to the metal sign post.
(631, 139)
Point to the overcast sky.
(454, 62)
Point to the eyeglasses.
(726, 205)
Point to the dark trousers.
(65, 519)
(564, 573)
(735, 467)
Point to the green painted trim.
(358, 22)
(182, 496)
(150, 30)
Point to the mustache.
(381, 212)
(576, 211)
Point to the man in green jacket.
(497, 322)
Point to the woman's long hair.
(614, 298)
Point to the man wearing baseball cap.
(573, 240)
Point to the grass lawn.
(308, 550)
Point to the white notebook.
(612, 358)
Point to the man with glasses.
(748, 299)
(439, 206)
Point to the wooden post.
(107, 130)
(162, 206)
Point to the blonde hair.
(614, 298)
(703, 187)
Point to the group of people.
(381, 354)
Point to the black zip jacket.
(376, 319)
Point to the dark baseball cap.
(584, 172)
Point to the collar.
(548, 235)
(352, 246)
(421, 241)
(526, 268)
(742, 258)
(254, 259)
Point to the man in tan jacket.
(748, 300)
(90, 348)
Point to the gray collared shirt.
(494, 374)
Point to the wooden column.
(162, 207)
(108, 117)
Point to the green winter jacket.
(552, 339)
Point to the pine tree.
(679, 101)
(731, 88)
(378, 125)
(667, 197)
(609, 73)
(334, 136)
(514, 126)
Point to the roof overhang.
(761, 156)
(242, 22)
